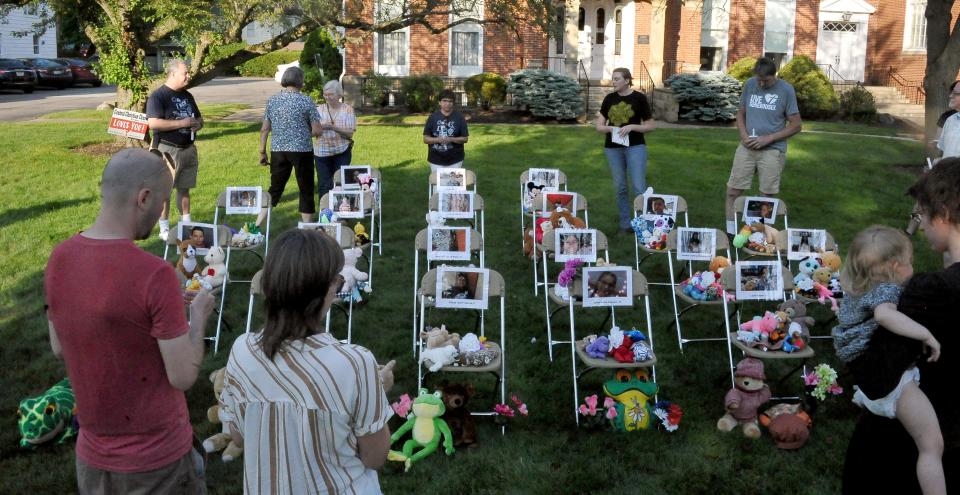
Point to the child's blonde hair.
(869, 260)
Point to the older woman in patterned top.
(310, 412)
(293, 120)
(334, 145)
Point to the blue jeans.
(326, 167)
(631, 160)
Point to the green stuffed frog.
(427, 427)
(48, 416)
(633, 391)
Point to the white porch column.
(571, 38)
(658, 19)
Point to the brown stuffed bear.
(439, 337)
(458, 418)
(796, 310)
(223, 440)
(743, 401)
(558, 220)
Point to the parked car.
(50, 72)
(16, 74)
(82, 70)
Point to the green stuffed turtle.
(427, 427)
(49, 416)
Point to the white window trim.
(791, 34)
(467, 27)
(396, 70)
(908, 30)
(719, 21)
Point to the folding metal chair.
(470, 182)
(638, 209)
(524, 178)
(421, 246)
(478, 222)
(223, 240)
(377, 201)
(265, 200)
(738, 207)
(368, 211)
(830, 244)
(578, 347)
(548, 250)
(582, 211)
(498, 367)
(722, 245)
(256, 289)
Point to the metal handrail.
(913, 91)
(644, 80)
(837, 79)
(586, 93)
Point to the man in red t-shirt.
(117, 319)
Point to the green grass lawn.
(837, 182)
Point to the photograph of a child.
(553, 201)
(462, 287)
(448, 243)
(452, 179)
(201, 235)
(346, 204)
(456, 204)
(660, 205)
(759, 280)
(350, 175)
(607, 286)
(803, 242)
(331, 229)
(696, 244)
(575, 243)
(760, 210)
(244, 200)
(544, 179)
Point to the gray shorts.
(183, 476)
(187, 165)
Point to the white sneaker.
(164, 234)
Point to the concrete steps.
(891, 102)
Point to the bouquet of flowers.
(669, 415)
(504, 411)
(822, 380)
(594, 417)
(566, 277)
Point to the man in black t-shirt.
(174, 118)
(445, 134)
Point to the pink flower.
(402, 407)
(611, 412)
(835, 389)
(608, 402)
(590, 407)
(522, 409)
(811, 379)
(503, 410)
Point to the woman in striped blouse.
(310, 411)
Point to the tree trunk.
(943, 62)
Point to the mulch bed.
(100, 149)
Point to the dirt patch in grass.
(99, 149)
(912, 168)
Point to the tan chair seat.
(758, 353)
(493, 367)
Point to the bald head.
(131, 170)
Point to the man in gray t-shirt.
(767, 116)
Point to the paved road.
(14, 105)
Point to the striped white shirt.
(301, 414)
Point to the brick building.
(851, 39)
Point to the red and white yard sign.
(128, 124)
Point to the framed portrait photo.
(452, 179)
(462, 287)
(659, 205)
(543, 179)
(346, 204)
(350, 176)
(802, 243)
(201, 235)
(455, 204)
(332, 229)
(244, 200)
(448, 243)
(607, 286)
(760, 209)
(575, 243)
(554, 200)
(696, 244)
(759, 280)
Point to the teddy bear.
(831, 260)
(220, 441)
(797, 313)
(187, 264)
(439, 337)
(563, 219)
(745, 398)
(216, 271)
(718, 264)
(351, 275)
(458, 418)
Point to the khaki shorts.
(768, 164)
(187, 164)
(183, 476)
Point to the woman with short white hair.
(334, 147)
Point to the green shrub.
(375, 88)
(319, 47)
(421, 92)
(742, 69)
(487, 89)
(706, 97)
(546, 94)
(858, 104)
(266, 65)
(815, 94)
